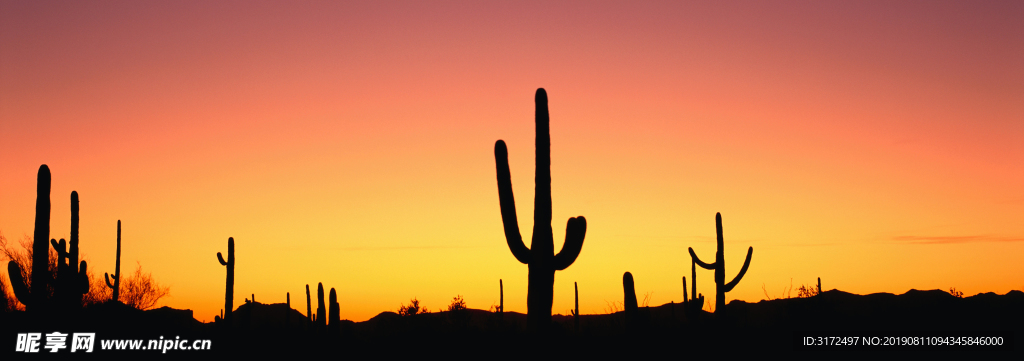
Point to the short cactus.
(629, 299)
(116, 285)
(229, 292)
(719, 267)
(542, 264)
(34, 295)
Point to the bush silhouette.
(539, 257)
(412, 309)
(141, 291)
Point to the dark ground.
(763, 329)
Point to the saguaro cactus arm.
(508, 205)
(21, 291)
(702, 264)
(107, 277)
(221, 259)
(746, 264)
(575, 230)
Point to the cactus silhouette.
(629, 299)
(71, 281)
(116, 286)
(34, 294)
(819, 285)
(309, 306)
(229, 292)
(685, 295)
(334, 325)
(321, 311)
(288, 310)
(576, 313)
(692, 306)
(501, 300)
(539, 259)
(719, 267)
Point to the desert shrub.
(806, 291)
(458, 314)
(412, 309)
(141, 291)
(955, 293)
(458, 304)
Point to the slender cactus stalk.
(116, 285)
(576, 314)
(309, 306)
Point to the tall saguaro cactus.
(229, 292)
(542, 264)
(719, 267)
(34, 294)
(116, 286)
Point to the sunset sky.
(877, 145)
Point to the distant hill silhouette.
(760, 327)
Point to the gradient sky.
(876, 145)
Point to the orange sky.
(875, 145)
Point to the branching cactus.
(116, 285)
(34, 294)
(71, 280)
(542, 264)
(229, 292)
(719, 267)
